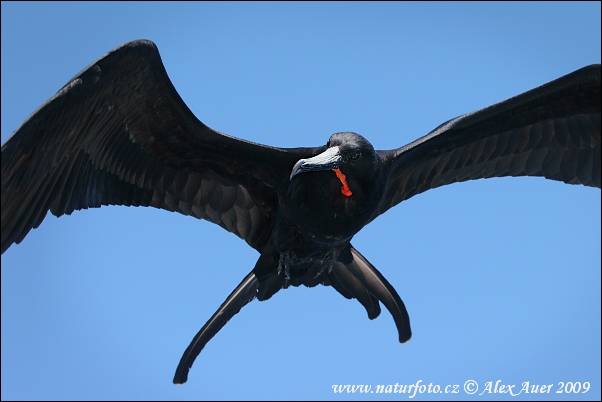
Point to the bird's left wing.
(551, 131)
(118, 133)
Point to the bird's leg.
(327, 262)
(285, 262)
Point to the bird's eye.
(355, 156)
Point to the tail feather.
(376, 284)
(352, 275)
(350, 287)
(243, 294)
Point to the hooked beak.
(328, 159)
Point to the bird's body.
(118, 133)
(315, 213)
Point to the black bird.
(119, 134)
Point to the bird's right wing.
(118, 133)
(551, 131)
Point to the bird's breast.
(315, 204)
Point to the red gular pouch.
(345, 187)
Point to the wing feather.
(119, 134)
(551, 131)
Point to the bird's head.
(347, 154)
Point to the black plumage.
(118, 133)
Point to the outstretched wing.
(551, 131)
(119, 134)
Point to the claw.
(327, 263)
(285, 260)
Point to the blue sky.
(501, 277)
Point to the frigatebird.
(119, 134)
